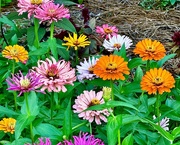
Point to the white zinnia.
(164, 123)
(85, 69)
(116, 42)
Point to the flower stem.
(119, 136)
(157, 108)
(76, 57)
(79, 125)
(52, 100)
(52, 30)
(112, 90)
(36, 27)
(15, 100)
(90, 127)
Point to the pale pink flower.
(87, 99)
(116, 42)
(55, 75)
(105, 30)
(164, 123)
(30, 6)
(85, 69)
(51, 12)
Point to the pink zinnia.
(45, 141)
(87, 99)
(54, 75)
(83, 139)
(105, 30)
(51, 12)
(21, 83)
(29, 6)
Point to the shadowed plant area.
(82, 72)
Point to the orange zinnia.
(111, 67)
(157, 80)
(16, 52)
(150, 50)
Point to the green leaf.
(166, 58)
(176, 132)
(121, 52)
(65, 24)
(99, 82)
(20, 141)
(53, 47)
(65, 2)
(5, 20)
(67, 123)
(131, 88)
(14, 40)
(6, 111)
(133, 63)
(62, 51)
(128, 140)
(39, 52)
(172, 2)
(138, 74)
(22, 122)
(113, 125)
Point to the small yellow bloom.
(8, 125)
(16, 52)
(75, 41)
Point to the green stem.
(79, 125)
(52, 100)
(76, 57)
(157, 108)
(15, 100)
(52, 30)
(148, 65)
(112, 90)
(119, 136)
(90, 127)
(36, 27)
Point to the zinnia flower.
(87, 99)
(21, 83)
(8, 125)
(157, 81)
(164, 123)
(51, 12)
(111, 67)
(150, 50)
(16, 52)
(45, 141)
(85, 69)
(176, 38)
(29, 6)
(105, 30)
(75, 41)
(54, 75)
(116, 42)
(83, 139)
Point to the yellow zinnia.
(76, 42)
(111, 67)
(8, 125)
(157, 81)
(150, 50)
(16, 52)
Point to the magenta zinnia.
(54, 75)
(42, 141)
(88, 99)
(83, 139)
(51, 12)
(24, 83)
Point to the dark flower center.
(111, 66)
(52, 71)
(117, 45)
(158, 81)
(150, 48)
(76, 43)
(36, 2)
(107, 31)
(91, 69)
(94, 101)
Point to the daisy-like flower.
(164, 123)
(54, 75)
(85, 69)
(16, 52)
(8, 125)
(116, 42)
(87, 99)
(176, 38)
(157, 81)
(42, 141)
(150, 50)
(105, 30)
(83, 139)
(76, 42)
(111, 67)
(29, 6)
(51, 12)
(21, 83)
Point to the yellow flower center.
(111, 66)
(91, 69)
(36, 2)
(76, 43)
(107, 31)
(158, 81)
(14, 52)
(52, 71)
(117, 45)
(51, 11)
(150, 48)
(25, 82)
(94, 101)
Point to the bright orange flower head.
(157, 81)
(16, 52)
(150, 50)
(111, 67)
(8, 125)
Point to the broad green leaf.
(138, 74)
(133, 63)
(172, 2)
(14, 40)
(99, 82)
(65, 2)
(62, 50)
(131, 88)
(53, 47)
(166, 58)
(22, 122)
(39, 52)
(130, 118)
(121, 52)
(5, 20)
(20, 141)
(176, 132)
(6, 111)
(128, 140)
(65, 24)
(113, 125)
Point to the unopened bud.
(106, 93)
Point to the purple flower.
(21, 83)
(47, 142)
(83, 139)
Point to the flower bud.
(106, 93)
